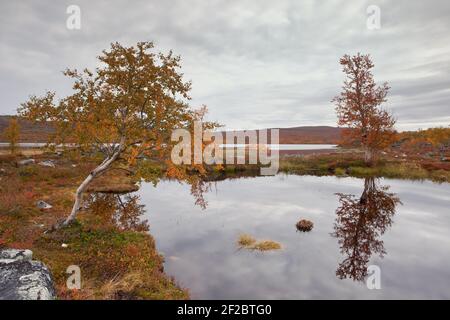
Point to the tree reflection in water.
(359, 224)
(198, 190)
(125, 211)
(122, 211)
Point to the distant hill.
(29, 131)
(318, 134)
(39, 132)
(310, 135)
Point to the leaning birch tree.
(125, 109)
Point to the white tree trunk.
(368, 156)
(83, 186)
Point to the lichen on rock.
(21, 278)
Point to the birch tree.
(359, 107)
(124, 109)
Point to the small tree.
(358, 107)
(127, 108)
(12, 133)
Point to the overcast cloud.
(254, 63)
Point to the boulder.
(47, 163)
(25, 162)
(22, 278)
(43, 205)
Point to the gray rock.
(26, 162)
(47, 163)
(41, 204)
(11, 255)
(21, 278)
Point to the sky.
(255, 64)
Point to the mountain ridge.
(40, 132)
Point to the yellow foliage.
(12, 133)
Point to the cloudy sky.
(254, 63)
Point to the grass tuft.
(246, 241)
(266, 245)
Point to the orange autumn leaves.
(125, 110)
(358, 107)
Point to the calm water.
(329, 262)
(285, 147)
(24, 145)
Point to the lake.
(272, 146)
(287, 147)
(401, 227)
(24, 145)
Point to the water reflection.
(198, 190)
(360, 222)
(125, 211)
(200, 245)
(122, 211)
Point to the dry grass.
(115, 181)
(121, 284)
(113, 188)
(246, 241)
(266, 245)
(24, 152)
(118, 287)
